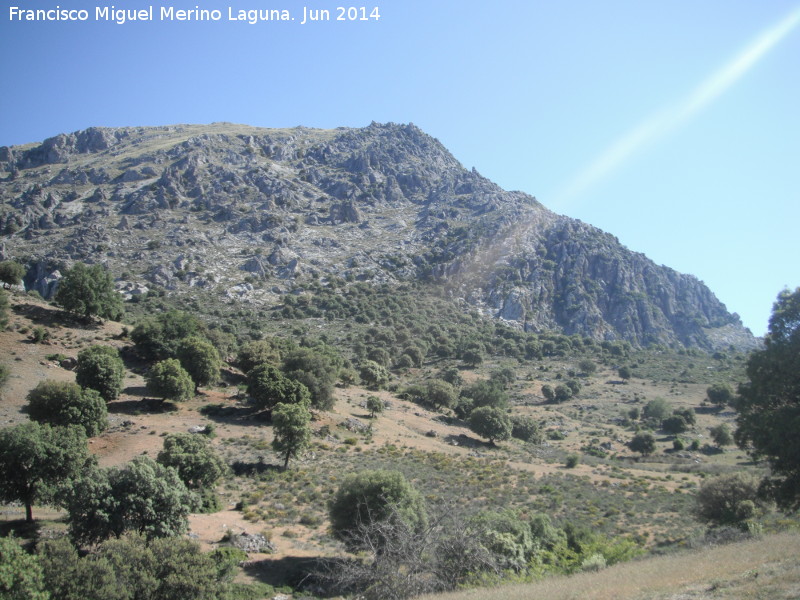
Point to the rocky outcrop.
(240, 206)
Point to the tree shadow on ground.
(45, 316)
(236, 415)
(241, 467)
(28, 534)
(298, 572)
(142, 405)
(466, 441)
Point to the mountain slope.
(250, 212)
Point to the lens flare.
(665, 121)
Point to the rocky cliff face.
(249, 212)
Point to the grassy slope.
(767, 568)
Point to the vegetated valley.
(313, 312)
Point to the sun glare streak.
(662, 123)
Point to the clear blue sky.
(673, 124)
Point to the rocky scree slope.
(251, 212)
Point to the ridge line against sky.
(535, 95)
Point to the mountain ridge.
(250, 212)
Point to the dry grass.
(757, 569)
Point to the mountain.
(250, 212)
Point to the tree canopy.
(158, 337)
(371, 496)
(143, 497)
(768, 404)
(193, 458)
(101, 368)
(267, 386)
(490, 422)
(11, 273)
(66, 403)
(720, 394)
(21, 575)
(200, 359)
(644, 443)
(168, 380)
(89, 292)
(292, 430)
(36, 458)
(131, 568)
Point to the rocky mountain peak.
(250, 212)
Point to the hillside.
(617, 493)
(248, 215)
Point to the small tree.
(373, 374)
(526, 429)
(486, 393)
(721, 434)
(548, 393)
(657, 410)
(89, 292)
(674, 424)
(11, 273)
(441, 394)
(198, 466)
(625, 373)
(472, 357)
(144, 497)
(253, 354)
(317, 369)
(372, 497)
(35, 459)
(268, 387)
(768, 405)
(375, 406)
(490, 422)
(292, 429)
(728, 499)
(100, 368)
(644, 443)
(587, 366)
(65, 403)
(200, 359)
(169, 381)
(562, 393)
(720, 394)
(158, 337)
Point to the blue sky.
(673, 124)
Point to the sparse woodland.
(539, 459)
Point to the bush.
(100, 368)
(644, 443)
(158, 337)
(375, 406)
(88, 292)
(441, 394)
(200, 359)
(526, 429)
(728, 499)
(490, 422)
(168, 380)
(720, 394)
(374, 496)
(572, 461)
(65, 403)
